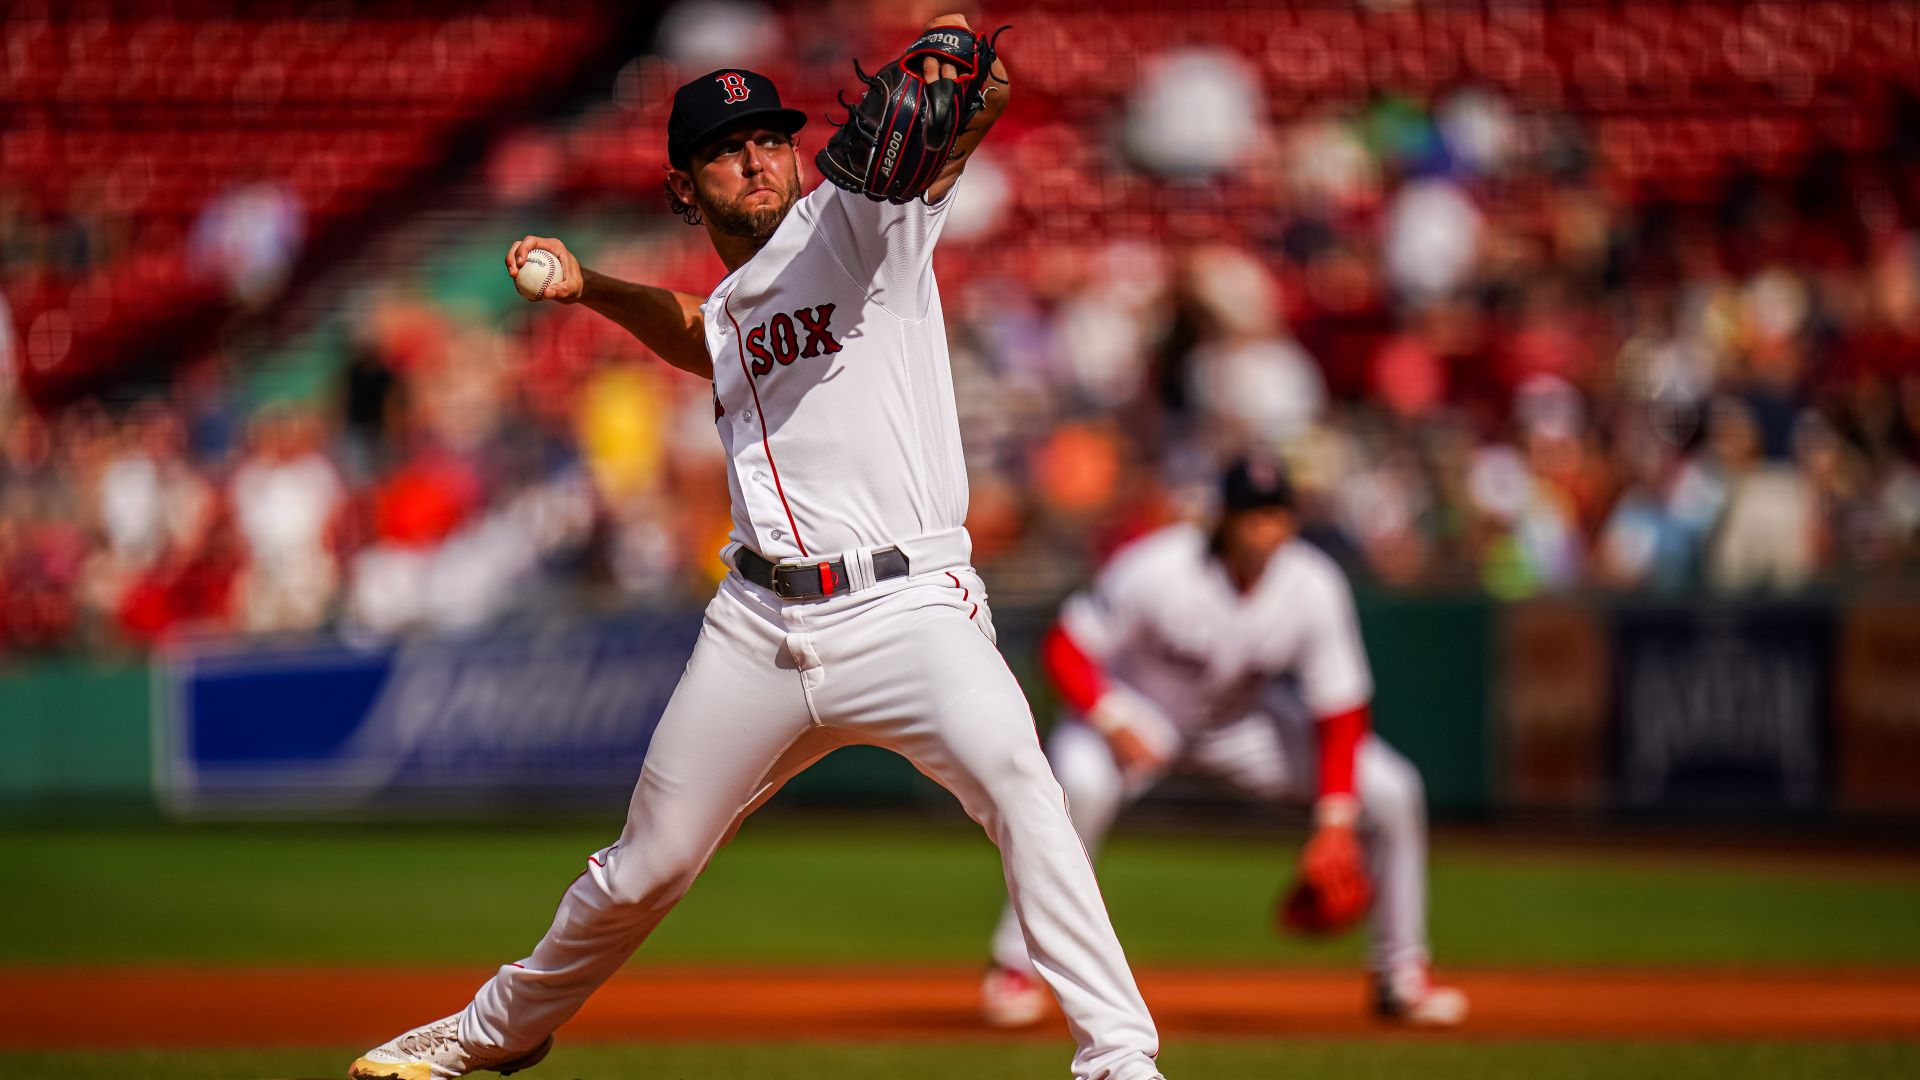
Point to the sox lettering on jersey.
(777, 341)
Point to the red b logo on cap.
(734, 85)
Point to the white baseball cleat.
(1410, 996)
(435, 1052)
(1010, 998)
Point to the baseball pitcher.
(852, 613)
(1175, 657)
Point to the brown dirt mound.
(115, 1008)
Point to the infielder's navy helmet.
(1255, 483)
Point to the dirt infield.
(117, 1008)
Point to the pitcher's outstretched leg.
(736, 728)
(976, 738)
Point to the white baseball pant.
(1272, 758)
(771, 687)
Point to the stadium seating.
(1756, 86)
(126, 120)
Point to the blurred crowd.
(1489, 363)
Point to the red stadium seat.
(136, 109)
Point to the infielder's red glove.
(1332, 892)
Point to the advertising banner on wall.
(1554, 701)
(1723, 707)
(554, 715)
(1878, 707)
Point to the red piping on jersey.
(740, 347)
(975, 609)
(1340, 735)
(1078, 678)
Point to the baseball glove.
(1332, 892)
(894, 142)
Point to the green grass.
(855, 890)
(1205, 1060)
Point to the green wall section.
(76, 731)
(1433, 673)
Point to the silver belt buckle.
(780, 583)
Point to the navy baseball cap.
(1255, 484)
(717, 101)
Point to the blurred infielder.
(852, 614)
(1175, 657)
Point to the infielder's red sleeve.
(1340, 735)
(1076, 677)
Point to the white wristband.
(1337, 811)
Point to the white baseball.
(538, 274)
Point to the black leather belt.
(813, 580)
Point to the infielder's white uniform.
(1165, 622)
(834, 400)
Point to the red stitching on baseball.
(552, 272)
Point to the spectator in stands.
(703, 34)
(150, 498)
(248, 238)
(153, 509)
(1197, 112)
(1432, 239)
(1247, 371)
(1766, 537)
(42, 544)
(287, 501)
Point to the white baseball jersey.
(1164, 619)
(832, 390)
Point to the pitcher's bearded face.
(745, 182)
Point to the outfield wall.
(1784, 709)
(1803, 708)
(76, 731)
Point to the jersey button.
(746, 416)
(759, 478)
